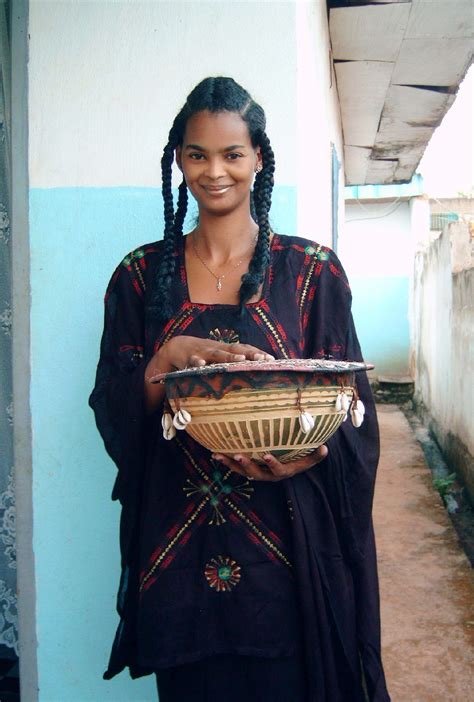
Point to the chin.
(223, 207)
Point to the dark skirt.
(235, 679)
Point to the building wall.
(105, 81)
(377, 250)
(443, 344)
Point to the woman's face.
(218, 161)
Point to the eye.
(233, 156)
(196, 156)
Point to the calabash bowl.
(284, 407)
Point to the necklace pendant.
(219, 285)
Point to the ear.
(259, 161)
(178, 158)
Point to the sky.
(447, 165)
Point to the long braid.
(181, 208)
(252, 280)
(214, 95)
(161, 306)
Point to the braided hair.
(215, 95)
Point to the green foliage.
(443, 485)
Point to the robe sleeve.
(118, 401)
(118, 398)
(331, 334)
(345, 480)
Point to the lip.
(216, 189)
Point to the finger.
(196, 362)
(314, 458)
(253, 470)
(244, 466)
(224, 355)
(229, 463)
(278, 469)
(286, 470)
(252, 352)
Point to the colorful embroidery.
(218, 488)
(220, 500)
(255, 533)
(181, 321)
(226, 336)
(138, 253)
(178, 536)
(272, 330)
(222, 573)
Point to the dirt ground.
(427, 586)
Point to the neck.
(226, 238)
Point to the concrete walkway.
(427, 591)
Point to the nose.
(214, 168)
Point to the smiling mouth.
(216, 189)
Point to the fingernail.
(269, 357)
(238, 458)
(268, 458)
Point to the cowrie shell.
(306, 422)
(166, 421)
(169, 433)
(339, 402)
(360, 407)
(357, 418)
(184, 416)
(345, 402)
(177, 421)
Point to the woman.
(268, 591)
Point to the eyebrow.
(196, 147)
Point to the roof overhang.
(398, 67)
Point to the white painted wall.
(107, 78)
(443, 341)
(318, 123)
(377, 239)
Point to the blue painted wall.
(376, 248)
(78, 236)
(380, 309)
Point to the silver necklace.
(219, 278)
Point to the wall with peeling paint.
(442, 350)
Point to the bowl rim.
(305, 365)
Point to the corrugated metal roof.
(398, 65)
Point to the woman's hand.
(191, 352)
(272, 470)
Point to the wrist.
(159, 363)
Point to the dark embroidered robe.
(210, 562)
